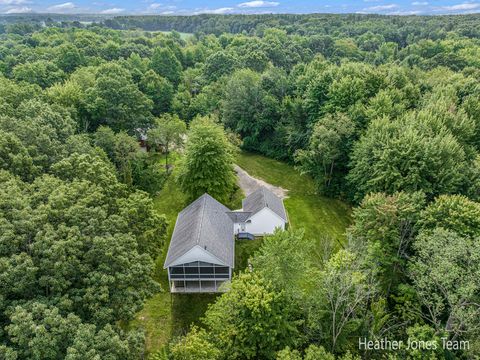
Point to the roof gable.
(262, 198)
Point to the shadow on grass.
(188, 309)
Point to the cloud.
(381, 7)
(154, 6)
(258, 4)
(13, 2)
(404, 13)
(112, 11)
(18, 10)
(460, 7)
(168, 12)
(419, 3)
(62, 7)
(223, 10)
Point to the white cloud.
(18, 10)
(258, 4)
(62, 7)
(381, 7)
(404, 13)
(223, 10)
(169, 12)
(13, 2)
(419, 3)
(154, 5)
(460, 7)
(112, 11)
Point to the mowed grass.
(323, 219)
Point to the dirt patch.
(249, 184)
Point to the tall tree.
(165, 63)
(207, 166)
(169, 131)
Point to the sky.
(189, 7)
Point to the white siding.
(197, 254)
(264, 222)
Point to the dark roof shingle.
(205, 223)
(261, 198)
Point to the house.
(201, 254)
(200, 257)
(262, 212)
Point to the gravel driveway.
(249, 184)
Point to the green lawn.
(165, 316)
(323, 219)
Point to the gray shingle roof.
(239, 216)
(262, 197)
(204, 222)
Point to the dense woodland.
(383, 112)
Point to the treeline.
(399, 29)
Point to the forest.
(382, 113)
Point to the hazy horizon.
(195, 7)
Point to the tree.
(406, 156)
(251, 320)
(159, 90)
(75, 258)
(340, 300)
(284, 259)
(116, 101)
(69, 58)
(126, 147)
(328, 148)
(165, 63)
(383, 229)
(43, 73)
(250, 111)
(168, 131)
(218, 64)
(445, 273)
(452, 212)
(15, 158)
(207, 166)
(195, 346)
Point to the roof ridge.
(201, 217)
(264, 197)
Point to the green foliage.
(445, 273)
(339, 301)
(42, 73)
(207, 166)
(195, 346)
(252, 320)
(328, 149)
(116, 101)
(383, 229)
(168, 133)
(453, 212)
(404, 156)
(165, 63)
(159, 90)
